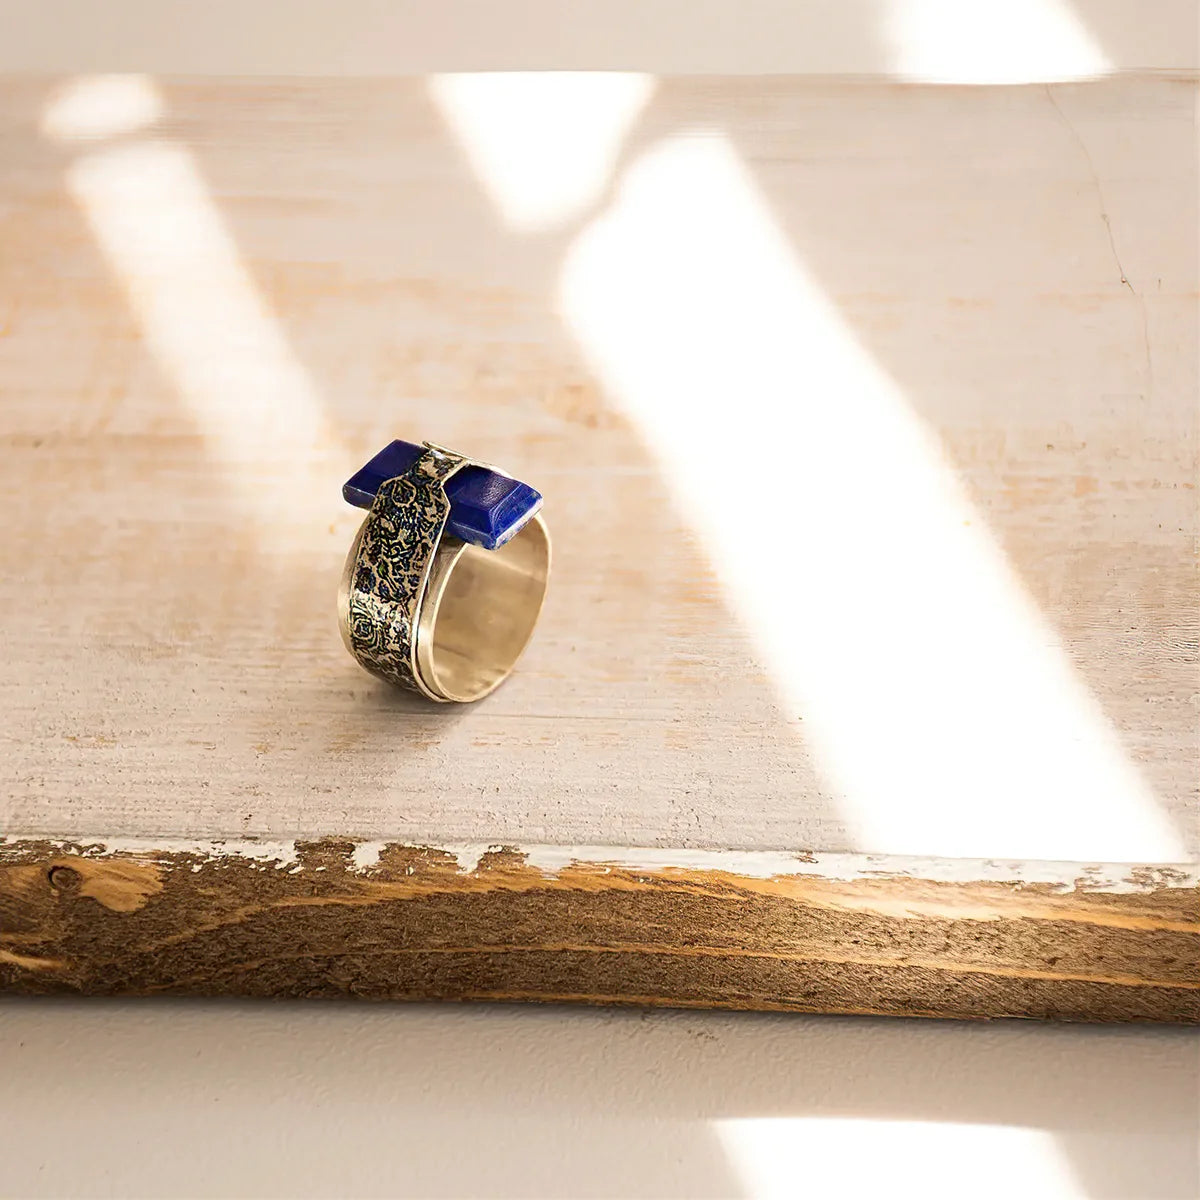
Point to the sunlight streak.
(908, 1160)
(101, 106)
(1017, 41)
(543, 143)
(937, 701)
(199, 310)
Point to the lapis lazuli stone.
(486, 508)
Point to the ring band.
(446, 577)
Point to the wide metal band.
(389, 566)
(428, 611)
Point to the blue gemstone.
(486, 508)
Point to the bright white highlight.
(542, 143)
(1017, 41)
(202, 316)
(780, 1158)
(938, 702)
(101, 106)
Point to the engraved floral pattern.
(399, 538)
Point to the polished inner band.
(479, 611)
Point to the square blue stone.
(486, 508)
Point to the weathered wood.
(210, 317)
(315, 919)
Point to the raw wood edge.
(806, 932)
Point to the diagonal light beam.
(938, 701)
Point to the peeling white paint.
(469, 854)
(767, 864)
(552, 861)
(366, 855)
(276, 854)
(754, 864)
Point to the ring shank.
(476, 614)
(479, 612)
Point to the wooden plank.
(971, 322)
(733, 931)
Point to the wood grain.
(414, 925)
(208, 322)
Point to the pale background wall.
(380, 37)
(189, 1099)
(280, 1100)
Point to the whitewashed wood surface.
(210, 317)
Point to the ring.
(446, 577)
